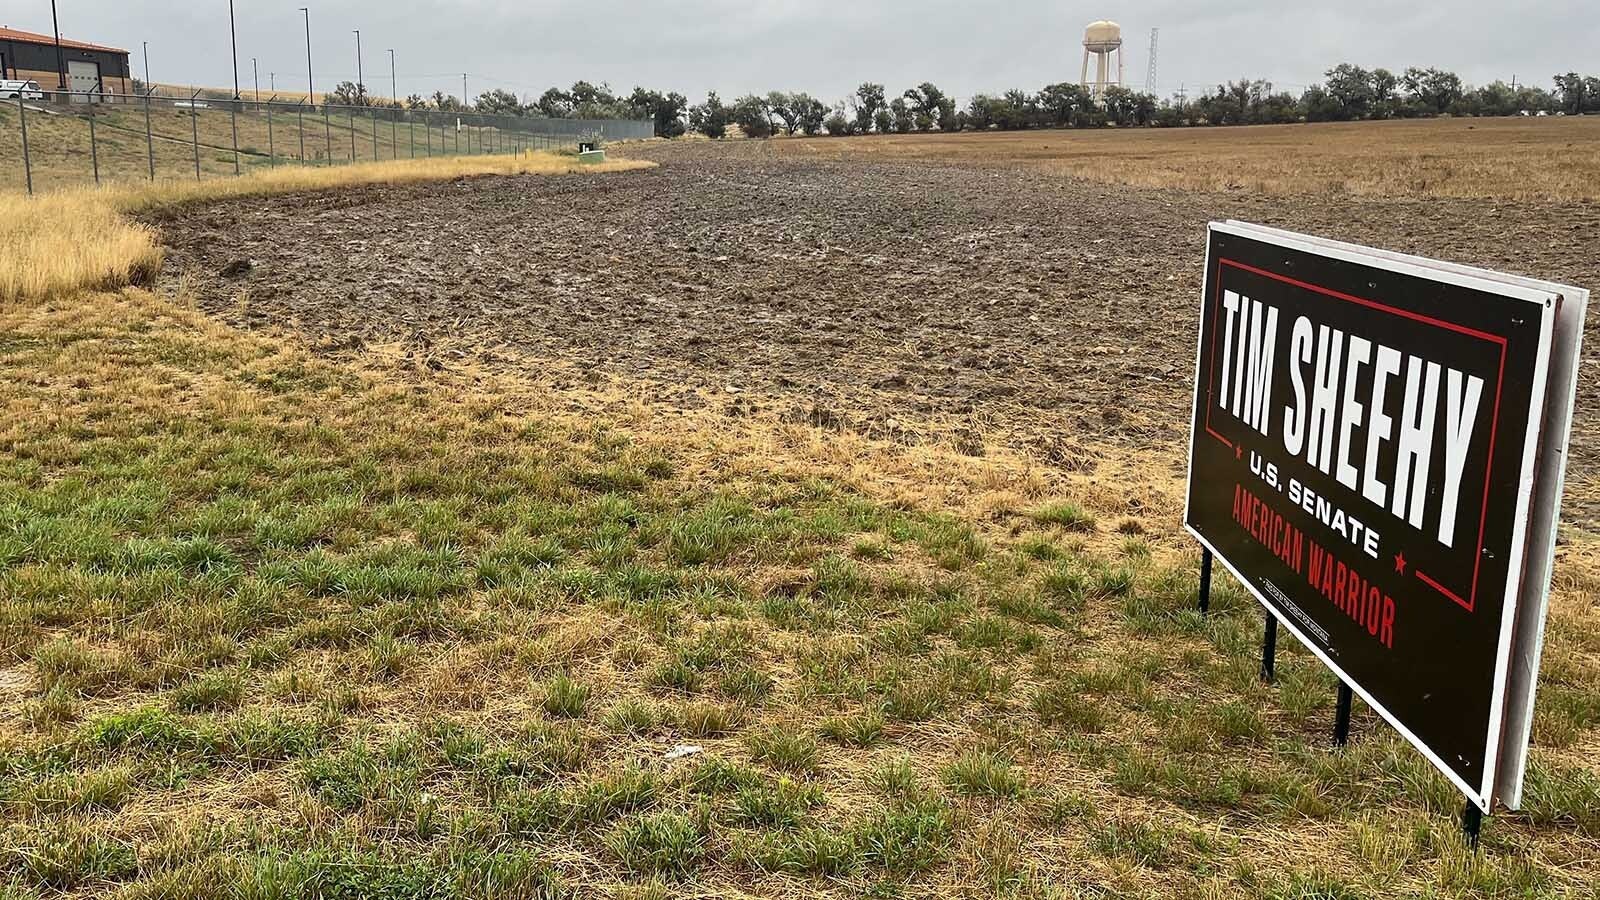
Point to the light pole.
(361, 82)
(394, 118)
(255, 76)
(463, 90)
(233, 108)
(147, 66)
(61, 59)
(233, 37)
(311, 85)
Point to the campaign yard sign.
(1377, 450)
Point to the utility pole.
(311, 85)
(255, 75)
(272, 82)
(463, 90)
(61, 59)
(394, 83)
(1150, 73)
(361, 82)
(233, 36)
(147, 67)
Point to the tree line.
(1347, 93)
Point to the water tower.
(1101, 39)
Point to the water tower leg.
(1104, 70)
(1084, 79)
(1119, 66)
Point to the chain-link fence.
(57, 139)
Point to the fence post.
(327, 130)
(233, 118)
(27, 161)
(411, 136)
(373, 113)
(149, 140)
(300, 121)
(394, 133)
(194, 133)
(272, 146)
(352, 114)
(94, 149)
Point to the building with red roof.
(82, 66)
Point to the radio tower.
(1150, 73)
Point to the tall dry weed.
(62, 242)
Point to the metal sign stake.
(1341, 715)
(1269, 649)
(1471, 823)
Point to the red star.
(1400, 563)
(1238, 453)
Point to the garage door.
(83, 75)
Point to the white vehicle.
(25, 90)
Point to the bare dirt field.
(1506, 159)
(916, 300)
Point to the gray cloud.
(826, 46)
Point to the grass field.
(277, 626)
(1509, 159)
(59, 145)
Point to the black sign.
(1362, 458)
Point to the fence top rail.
(205, 100)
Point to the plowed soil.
(979, 301)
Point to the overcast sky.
(825, 47)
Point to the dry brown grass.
(105, 374)
(61, 242)
(1554, 159)
(63, 156)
